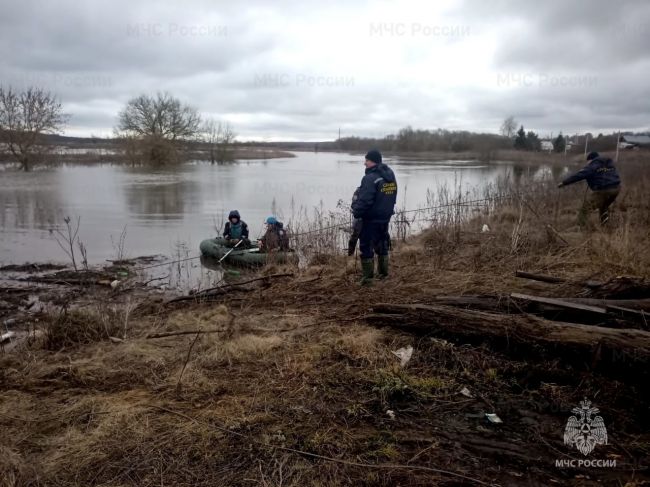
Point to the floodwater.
(169, 211)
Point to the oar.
(228, 253)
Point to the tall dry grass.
(526, 206)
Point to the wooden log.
(624, 287)
(589, 311)
(623, 353)
(485, 302)
(501, 302)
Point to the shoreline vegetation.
(107, 154)
(111, 154)
(297, 376)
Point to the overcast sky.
(300, 70)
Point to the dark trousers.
(373, 238)
(599, 200)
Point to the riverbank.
(290, 381)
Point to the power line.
(342, 224)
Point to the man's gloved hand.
(560, 185)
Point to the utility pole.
(618, 141)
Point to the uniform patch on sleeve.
(389, 188)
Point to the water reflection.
(160, 200)
(27, 206)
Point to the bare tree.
(508, 127)
(160, 123)
(219, 138)
(24, 119)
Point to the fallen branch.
(263, 278)
(221, 290)
(185, 332)
(187, 359)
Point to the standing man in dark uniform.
(603, 181)
(375, 204)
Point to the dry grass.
(74, 327)
(296, 368)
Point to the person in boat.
(275, 238)
(603, 181)
(375, 205)
(236, 230)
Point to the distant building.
(547, 145)
(633, 141)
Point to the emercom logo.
(585, 429)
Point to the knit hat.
(271, 220)
(374, 156)
(234, 214)
(592, 155)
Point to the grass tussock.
(74, 327)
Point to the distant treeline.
(484, 144)
(440, 140)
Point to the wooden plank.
(635, 304)
(628, 313)
(555, 280)
(7, 336)
(560, 303)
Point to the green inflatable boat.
(216, 248)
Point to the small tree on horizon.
(508, 127)
(25, 118)
(520, 140)
(533, 143)
(559, 143)
(220, 139)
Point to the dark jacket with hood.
(377, 195)
(275, 238)
(600, 174)
(227, 231)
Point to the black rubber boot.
(382, 267)
(352, 245)
(368, 271)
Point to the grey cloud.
(556, 66)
